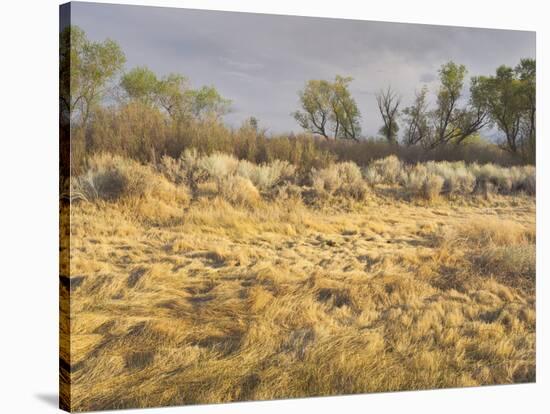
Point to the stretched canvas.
(258, 207)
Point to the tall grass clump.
(503, 249)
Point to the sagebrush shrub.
(432, 186)
(349, 172)
(342, 178)
(388, 169)
(173, 169)
(414, 178)
(459, 181)
(218, 165)
(110, 177)
(326, 180)
(266, 176)
(529, 184)
(524, 179)
(372, 177)
(493, 178)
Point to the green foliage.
(317, 111)
(451, 76)
(142, 84)
(346, 113)
(86, 67)
(329, 109)
(510, 99)
(417, 120)
(447, 123)
(207, 102)
(173, 95)
(165, 116)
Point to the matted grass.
(205, 301)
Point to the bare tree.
(388, 105)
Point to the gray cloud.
(261, 61)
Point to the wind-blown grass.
(218, 281)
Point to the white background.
(28, 204)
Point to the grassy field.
(205, 298)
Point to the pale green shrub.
(372, 177)
(432, 186)
(349, 172)
(459, 181)
(420, 181)
(414, 178)
(266, 176)
(326, 180)
(218, 165)
(529, 184)
(110, 177)
(492, 178)
(342, 179)
(524, 179)
(388, 169)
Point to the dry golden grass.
(176, 303)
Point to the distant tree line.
(88, 69)
(91, 72)
(505, 100)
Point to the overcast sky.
(260, 62)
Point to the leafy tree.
(329, 109)
(451, 123)
(207, 102)
(318, 113)
(86, 67)
(526, 71)
(388, 104)
(173, 95)
(346, 115)
(141, 84)
(510, 99)
(417, 120)
(448, 122)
